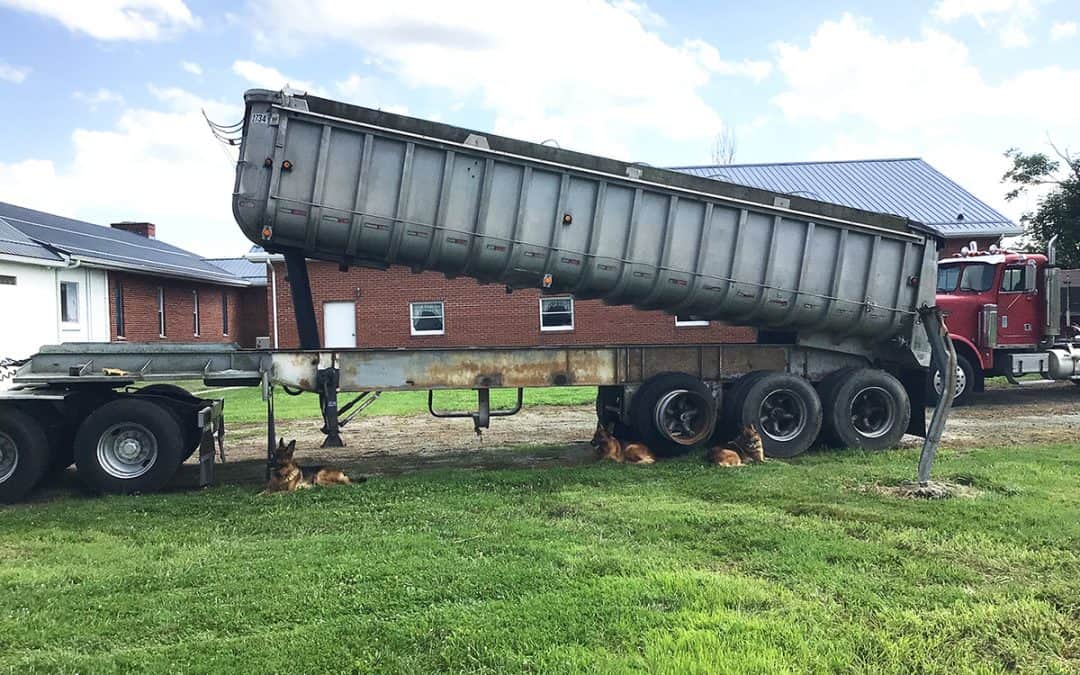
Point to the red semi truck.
(1009, 314)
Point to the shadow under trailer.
(842, 300)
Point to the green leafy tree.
(1058, 211)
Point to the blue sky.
(101, 117)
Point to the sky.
(102, 100)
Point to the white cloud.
(1009, 18)
(114, 19)
(94, 99)
(586, 72)
(923, 97)
(13, 74)
(1063, 30)
(160, 165)
(270, 78)
(192, 67)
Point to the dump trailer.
(841, 300)
(834, 292)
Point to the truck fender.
(961, 341)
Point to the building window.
(119, 309)
(687, 320)
(195, 312)
(426, 318)
(69, 301)
(161, 311)
(7, 280)
(556, 314)
(224, 312)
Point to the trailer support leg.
(300, 286)
(943, 358)
(326, 380)
(271, 426)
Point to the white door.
(339, 325)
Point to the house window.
(69, 301)
(7, 280)
(224, 312)
(687, 320)
(161, 311)
(426, 318)
(556, 314)
(119, 309)
(195, 312)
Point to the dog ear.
(292, 445)
(281, 444)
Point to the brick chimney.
(142, 229)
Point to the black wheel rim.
(873, 412)
(782, 415)
(682, 416)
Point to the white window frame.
(78, 309)
(689, 324)
(552, 329)
(161, 311)
(442, 317)
(197, 324)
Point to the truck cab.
(1009, 313)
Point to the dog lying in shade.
(747, 448)
(609, 447)
(288, 476)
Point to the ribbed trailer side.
(359, 186)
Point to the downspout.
(273, 298)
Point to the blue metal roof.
(15, 243)
(252, 272)
(112, 248)
(906, 187)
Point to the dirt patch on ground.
(558, 436)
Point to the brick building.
(67, 280)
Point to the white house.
(47, 297)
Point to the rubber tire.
(839, 389)
(645, 400)
(749, 406)
(32, 462)
(969, 375)
(731, 420)
(192, 435)
(158, 421)
(607, 395)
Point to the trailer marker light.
(286, 165)
(547, 281)
(267, 232)
(268, 162)
(567, 219)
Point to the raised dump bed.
(359, 186)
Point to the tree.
(1058, 211)
(723, 150)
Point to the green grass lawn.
(676, 567)
(245, 404)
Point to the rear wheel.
(784, 407)
(24, 454)
(674, 412)
(864, 408)
(192, 434)
(128, 445)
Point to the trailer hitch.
(482, 417)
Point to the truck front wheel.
(128, 445)
(965, 381)
(24, 454)
(673, 412)
(864, 408)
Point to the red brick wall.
(475, 314)
(141, 310)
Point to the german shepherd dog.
(745, 449)
(288, 476)
(609, 447)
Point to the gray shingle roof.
(111, 248)
(906, 187)
(13, 242)
(252, 272)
